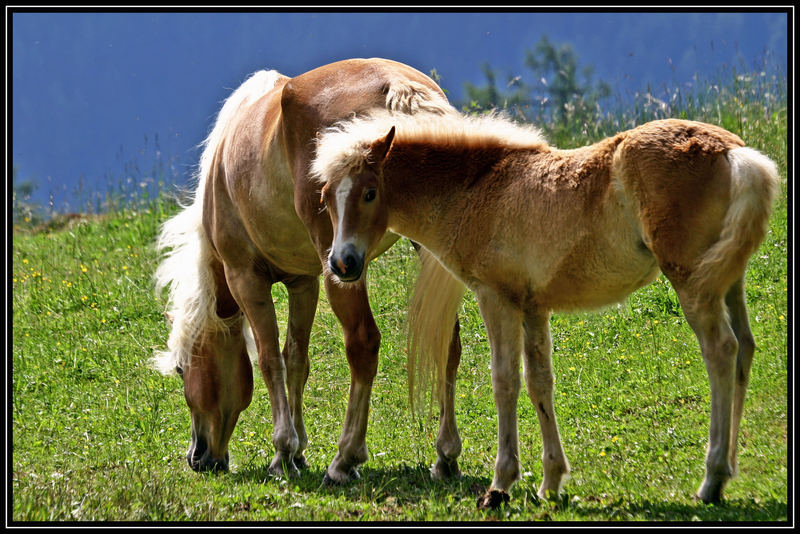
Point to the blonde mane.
(345, 146)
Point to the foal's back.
(583, 228)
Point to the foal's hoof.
(710, 492)
(339, 479)
(445, 471)
(493, 500)
(280, 468)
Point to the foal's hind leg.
(303, 296)
(719, 346)
(539, 380)
(737, 310)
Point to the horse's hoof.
(549, 495)
(710, 492)
(300, 462)
(493, 500)
(328, 480)
(708, 499)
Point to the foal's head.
(354, 199)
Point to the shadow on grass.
(729, 511)
(403, 484)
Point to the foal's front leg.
(504, 327)
(539, 380)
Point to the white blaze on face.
(342, 192)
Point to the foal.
(531, 229)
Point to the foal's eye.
(369, 195)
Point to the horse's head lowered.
(353, 194)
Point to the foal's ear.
(379, 149)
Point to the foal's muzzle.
(346, 264)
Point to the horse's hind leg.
(737, 311)
(303, 296)
(719, 346)
(448, 442)
(539, 380)
(218, 384)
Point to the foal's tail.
(754, 186)
(431, 318)
(186, 265)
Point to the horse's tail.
(431, 319)
(754, 186)
(186, 265)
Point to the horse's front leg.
(362, 340)
(251, 288)
(303, 297)
(504, 327)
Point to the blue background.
(97, 97)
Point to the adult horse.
(532, 229)
(256, 220)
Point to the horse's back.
(334, 92)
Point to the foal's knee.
(720, 351)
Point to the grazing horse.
(256, 220)
(531, 229)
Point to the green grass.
(98, 435)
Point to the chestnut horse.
(531, 229)
(256, 220)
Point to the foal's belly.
(594, 277)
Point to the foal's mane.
(345, 146)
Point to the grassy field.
(98, 435)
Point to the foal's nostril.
(347, 265)
(333, 263)
(350, 262)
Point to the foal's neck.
(429, 188)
